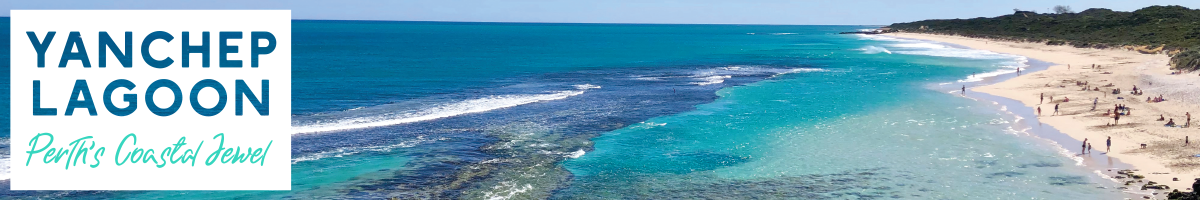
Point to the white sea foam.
(874, 50)
(958, 53)
(719, 75)
(981, 76)
(783, 33)
(796, 70)
(800, 70)
(647, 78)
(5, 163)
(753, 69)
(918, 45)
(932, 49)
(345, 151)
(1020, 62)
(883, 38)
(587, 86)
(709, 80)
(577, 154)
(573, 154)
(1009, 63)
(436, 112)
(509, 190)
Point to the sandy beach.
(1165, 156)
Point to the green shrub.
(1187, 59)
(1174, 27)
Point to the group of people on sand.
(1090, 88)
(1043, 100)
(1171, 122)
(1117, 111)
(1087, 147)
(1155, 99)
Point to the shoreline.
(1100, 164)
(1165, 152)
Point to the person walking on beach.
(1042, 98)
(1089, 145)
(1094, 102)
(1039, 111)
(1055, 109)
(964, 90)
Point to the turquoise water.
(603, 111)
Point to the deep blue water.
(630, 111)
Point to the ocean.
(438, 110)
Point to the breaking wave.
(386, 115)
(874, 50)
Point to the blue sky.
(854, 12)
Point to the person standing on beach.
(1188, 123)
(1083, 148)
(1055, 109)
(1039, 111)
(1042, 98)
(964, 90)
(1108, 144)
(1116, 119)
(1089, 145)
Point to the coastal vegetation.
(1173, 30)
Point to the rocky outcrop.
(1176, 194)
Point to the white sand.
(1165, 157)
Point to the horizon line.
(621, 23)
(624, 23)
